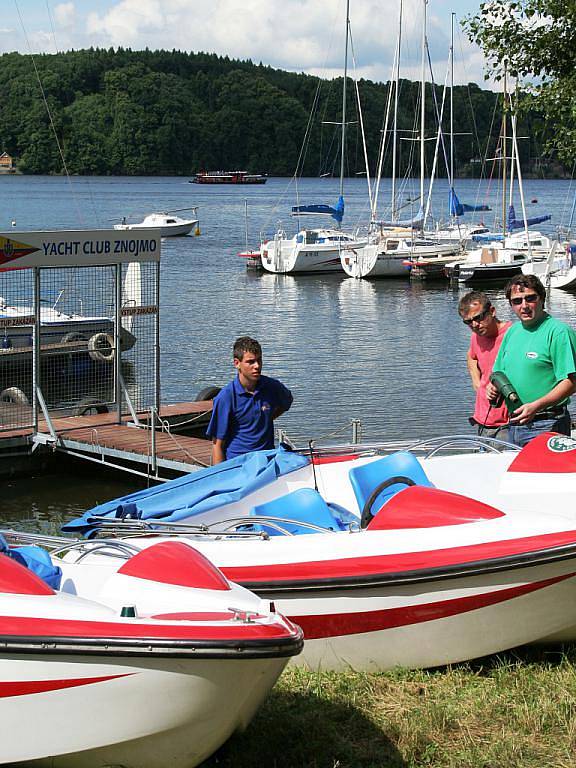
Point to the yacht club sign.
(21, 250)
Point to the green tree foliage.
(535, 40)
(165, 112)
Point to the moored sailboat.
(315, 249)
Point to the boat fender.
(367, 515)
(208, 393)
(90, 405)
(73, 336)
(101, 347)
(13, 395)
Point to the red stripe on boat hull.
(40, 628)
(339, 624)
(8, 689)
(374, 565)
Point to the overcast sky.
(297, 35)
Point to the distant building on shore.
(7, 163)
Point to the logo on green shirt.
(561, 444)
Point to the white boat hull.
(310, 251)
(369, 262)
(474, 618)
(168, 225)
(285, 260)
(558, 275)
(376, 260)
(138, 713)
(145, 660)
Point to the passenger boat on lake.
(228, 177)
(448, 551)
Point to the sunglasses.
(530, 298)
(477, 318)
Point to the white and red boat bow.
(104, 684)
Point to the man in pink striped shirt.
(479, 315)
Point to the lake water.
(389, 353)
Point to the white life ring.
(101, 348)
(14, 395)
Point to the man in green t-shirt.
(538, 355)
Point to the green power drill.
(506, 391)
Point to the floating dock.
(153, 450)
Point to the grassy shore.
(516, 710)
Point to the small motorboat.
(60, 333)
(145, 659)
(168, 223)
(445, 552)
(499, 261)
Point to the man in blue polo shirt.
(244, 411)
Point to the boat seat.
(302, 506)
(395, 472)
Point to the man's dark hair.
(246, 344)
(472, 298)
(527, 281)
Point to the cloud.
(65, 15)
(296, 35)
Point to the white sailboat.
(558, 270)
(314, 249)
(394, 245)
(502, 258)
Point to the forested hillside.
(159, 112)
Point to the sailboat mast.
(342, 151)
(452, 101)
(504, 158)
(395, 128)
(422, 104)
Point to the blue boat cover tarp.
(459, 209)
(337, 212)
(197, 492)
(35, 559)
(488, 237)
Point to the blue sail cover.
(195, 493)
(337, 212)
(514, 223)
(415, 223)
(459, 209)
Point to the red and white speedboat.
(147, 661)
(416, 558)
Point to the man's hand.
(218, 453)
(492, 393)
(525, 413)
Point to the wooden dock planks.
(101, 434)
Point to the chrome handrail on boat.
(275, 523)
(58, 545)
(473, 442)
(156, 528)
(219, 529)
